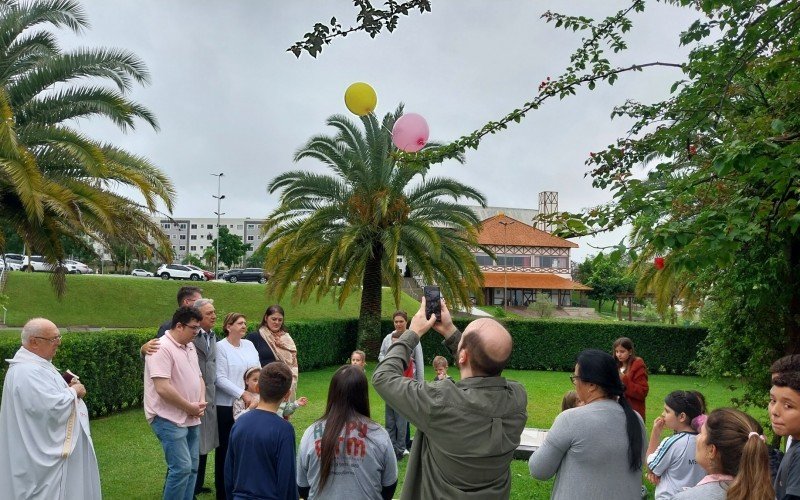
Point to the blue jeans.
(182, 452)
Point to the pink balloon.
(410, 133)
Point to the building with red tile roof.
(530, 263)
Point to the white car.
(10, 265)
(141, 272)
(75, 267)
(36, 263)
(179, 272)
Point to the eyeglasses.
(192, 327)
(573, 378)
(52, 340)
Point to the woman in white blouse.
(234, 356)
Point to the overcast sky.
(229, 98)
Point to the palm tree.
(54, 181)
(353, 224)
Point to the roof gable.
(503, 230)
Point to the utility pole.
(505, 260)
(218, 213)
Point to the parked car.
(141, 272)
(178, 272)
(248, 274)
(208, 275)
(10, 264)
(36, 263)
(75, 267)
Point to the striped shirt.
(674, 462)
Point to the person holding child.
(784, 414)
(260, 461)
(671, 463)
(346, 454)
(732, 451)
(633, 373)
(235, 355)
(595, 450)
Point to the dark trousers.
(201, 474)
(224, 425)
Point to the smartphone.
(433, 302)
(69, 377)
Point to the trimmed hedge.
(554, 345)
(110, 366)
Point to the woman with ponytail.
(595, 450)
(732, 451)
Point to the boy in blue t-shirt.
(784, 413)
(261, 458)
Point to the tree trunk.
(369, 318)
(793, 315)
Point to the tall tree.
(55, 182)
(353, 224)
(722, 160)
(231, 247)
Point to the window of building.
(183, 247)
(484, 260)
(183, 236)
(552, 262)
(251, 226)
(194, 226)
(194, 237)
(239, 226)
(183, 226)
(210, 226)
(250, 238)
(210, 237)
(167, 226)
(192, 248)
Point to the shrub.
(543, 307)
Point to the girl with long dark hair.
(346, 454)
(633, 373)
(595, 450)
(732, 451)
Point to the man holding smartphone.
(466, 432)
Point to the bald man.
(466, 432)
(46, 449)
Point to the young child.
(440, 365)
(286, 408)
(251, 386)
(261, 459)
(571, 400)
(784, 414)
(359, 358)
(671, 464)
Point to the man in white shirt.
(46, 448)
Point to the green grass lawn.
(132, 464)
(124, 301)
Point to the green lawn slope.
(125, 301)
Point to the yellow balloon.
(360, 99)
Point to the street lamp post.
(505, 261)
(218, 213)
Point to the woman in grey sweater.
(596, 450)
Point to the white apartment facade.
(194, 235)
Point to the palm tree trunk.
(369, 320)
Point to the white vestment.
(46, 449)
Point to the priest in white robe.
(46, 449)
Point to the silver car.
(141, 272)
